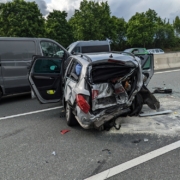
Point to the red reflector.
(116, 61)
(82, 103)
(94, 93)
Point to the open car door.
(45, 78)
(147, 64)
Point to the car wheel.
(137, 105)
(70, 118)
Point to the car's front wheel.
(70, 118)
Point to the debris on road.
(146, 140)
(54, 153)
(155, 113)
(109, 152)
(64, 131)
(136, 141)
(162, 90)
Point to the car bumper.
(88, 121)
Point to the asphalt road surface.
(32, 147)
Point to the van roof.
(22, 38)
(87, 43)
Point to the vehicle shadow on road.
(15, 98)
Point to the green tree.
(21, 19)
(164, 35)
(91, 21)
(176, 25)
(118, 33)
(141, 28)
(57, 28)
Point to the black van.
(89, 46)
(15, 60)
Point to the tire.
(137, 105)
(70, 118)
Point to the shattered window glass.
(50, 49)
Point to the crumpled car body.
(110, 85)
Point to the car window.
(74, 71)
(141, 50)
(157, 50)
(101, 48)
(135, 51)
(50, 49)
(161, 50)
(47, 66)
(147, 65)
(76, 50)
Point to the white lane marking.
(28, 113)
(176, 70)
(134, 162)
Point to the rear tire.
(70, 118)
(137, 105)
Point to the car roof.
(92, 57)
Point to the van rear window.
(88, 49)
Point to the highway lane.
(27, 143)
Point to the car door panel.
(46, 79)
(147, 64)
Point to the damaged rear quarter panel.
(88, 120)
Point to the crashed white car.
(106, 85)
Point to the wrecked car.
(106, 86)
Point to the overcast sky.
(120, 8)
(125, 8)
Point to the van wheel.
(70, 118)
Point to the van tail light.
(82, 103)
(94, 93)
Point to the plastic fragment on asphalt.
(162, 90)
(155, 113)
(54, 153)
(146, 140)
(136, 141)
(64, 131)
(109, 152)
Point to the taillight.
(94, 93)
(82, 103)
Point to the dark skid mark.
(11, 134)
(100, 165)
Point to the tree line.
(92, 21)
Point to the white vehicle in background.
(155, 51)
